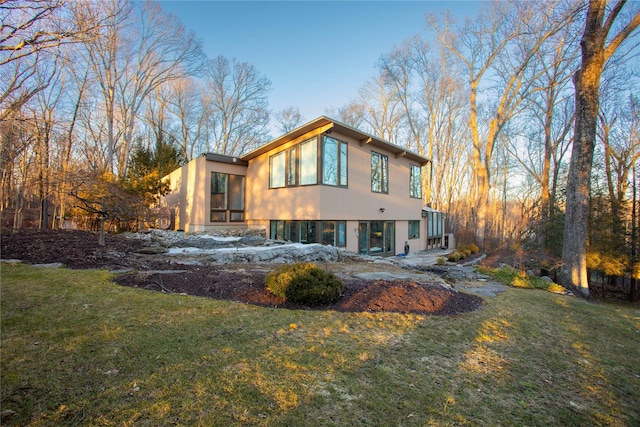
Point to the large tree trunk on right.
(587, 85)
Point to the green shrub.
(453, 257)
(441, 260)
(304, 283)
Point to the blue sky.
(317, 54)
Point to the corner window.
(227, 197)
(414, 229)
(415, 182)
(379, 173)
(299, 164)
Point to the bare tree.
(238, 108)
(597, 48)
(164, 51)
(546, 125)
(288, 119)
(186, 101)
(351, 114)
(34, 31)
(488, 48)
(430, 92)
(140, 49)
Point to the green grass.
(79, 350)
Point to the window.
(218, 197)
(334, 162)
(434, 224)
(379, 173)
(236, 198)
(376, 237)
(414, 229)
(298, 165)
(276, 167)
(292, 166)
(331, 233)
(227, 197)
(309, 162)
(415, 182)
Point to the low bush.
(453, 257)
(512, 277)
(441, 260)
(469, 249)
(304, 283)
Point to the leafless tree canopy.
(528, 112)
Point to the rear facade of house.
(324, 182)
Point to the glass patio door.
(376, 238)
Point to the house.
(323, 182)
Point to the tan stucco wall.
(190, 194)
(355, 203)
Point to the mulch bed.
(242, 283)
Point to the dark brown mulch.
(242, 283)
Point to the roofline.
(325, 124)
(221, 158)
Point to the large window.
(415, 182)
(298, 165)
(379, 173)
(334, 162)
(331, 233)
(227, 197)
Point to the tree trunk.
(101, 241)
(587, 86)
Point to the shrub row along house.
(324, 182)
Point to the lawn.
(80, 350)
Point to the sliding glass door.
(376, 237)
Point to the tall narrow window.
(342, 180)
(218, 197)
(277, 170)
(292, 166)
(309, 162)
(329, 161)
(236, 198)
(415, 182)
(379, 173)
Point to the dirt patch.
(242, 283)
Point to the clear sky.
(317, 54)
